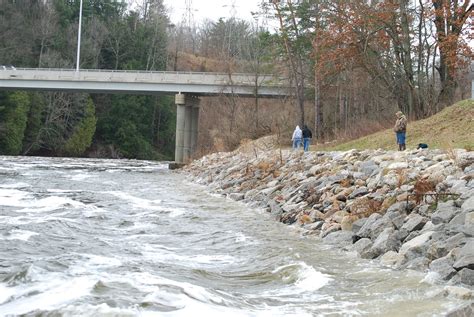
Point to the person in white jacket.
(297, 137)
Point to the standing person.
(307, 135)
(296, 138)
(400, 129)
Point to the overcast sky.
(211, 9)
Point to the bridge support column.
(195, 125)
(180, 126)
(187, 116)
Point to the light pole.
(79, 38)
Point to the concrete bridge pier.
(187, 117)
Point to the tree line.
(43, 34)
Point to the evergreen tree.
(83, 133)
(13, 118)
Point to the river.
(88, 237)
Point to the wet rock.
(339, 238)
(236, 196)
(314, 226)
(329, 228)
(386, 241)
(443, 267)
(467, 276)
(362, 245)
(461, 293)
(275, 208)
(465, 258)
(358, 224)
(418, 263)
(391, 258)
(443, 245)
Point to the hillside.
(452, 127)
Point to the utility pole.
(79, 38)
(188, 22)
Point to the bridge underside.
(139, 88)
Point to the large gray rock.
(419, 263)
(465, 311)
(339, 238)
(374, 225)
(467, 276)
(418, 243)
(396, 218)
(236, 196)
(458, 292)
(275, 208)
(368, 167)
(443, 267)
(362, 246)
(465, 258)
(359, 223)
(468, 205)
(444, 213)
(414, 222)
(459, 219)
(386, 241)
(391, 258)
(442, 245)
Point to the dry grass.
(364, 207)
(422, 187)
(454, 126)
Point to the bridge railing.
(138, 71)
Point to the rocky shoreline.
(410, 210)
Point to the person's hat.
(399, 113)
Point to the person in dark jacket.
(307, 135)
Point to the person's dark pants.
(306, 142)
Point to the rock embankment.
(411, 209)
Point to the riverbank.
(408, 210)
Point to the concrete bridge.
(187, 87)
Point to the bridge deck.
(142, 82)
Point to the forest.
(352, 64)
